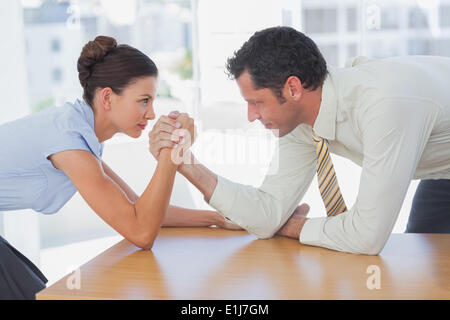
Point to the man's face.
(264, 106)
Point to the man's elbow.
(372, 246)
(263, 236)
(264, 231)
(370, 251)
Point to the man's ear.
(294, 87)
(105, 98)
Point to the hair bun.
(93, 52)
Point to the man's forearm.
(201, 177)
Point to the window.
(417, 18)
(444, 16)
(56, 75)
(55, 45)
(390, 17)
(320, 20)
(352, 19)
(330, 53)
(352, 50)
(286, 18)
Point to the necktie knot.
(315, 137)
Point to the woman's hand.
(187, 130)
(161, 136)
(173, 131)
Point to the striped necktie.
(328, 185)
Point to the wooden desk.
(209, 263)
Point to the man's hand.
(227, 224)
(294, 225)
(170, 131)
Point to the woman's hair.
(103, 63)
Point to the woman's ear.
(295, 88)
(105, 98)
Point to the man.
(390, 116)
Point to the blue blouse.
(27, 178)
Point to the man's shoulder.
(409, 60)
(358, 60)
(301, 134)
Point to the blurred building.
(377, 29)
(162, 27)
(55, 32)
(341, 29)
(52, 49)
(222, 28)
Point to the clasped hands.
(177, 131)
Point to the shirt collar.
(325, 124)
(86, 111)
(88, 114)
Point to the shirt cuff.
(311, 231)
(223, 196)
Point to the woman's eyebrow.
(147, 95)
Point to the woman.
(46, 157)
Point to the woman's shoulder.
(75, 115)
(59, 128)
(72, 120)
(69, 116)
(75, 120)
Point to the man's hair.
(272, 55)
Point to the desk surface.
(210, 263)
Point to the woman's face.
(131, 110)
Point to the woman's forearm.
(182, 217)
(131, 195)
(151, 206)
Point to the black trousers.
(430, 211)
(20, 279)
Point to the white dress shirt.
(389, 116)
